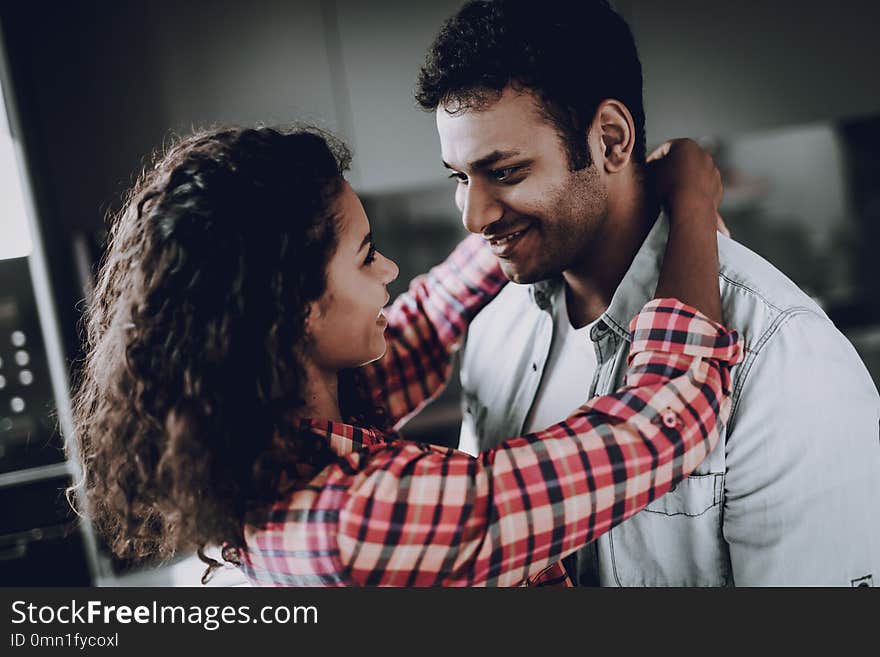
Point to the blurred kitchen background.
(787, 93)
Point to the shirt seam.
(751, 290)
(752, 356)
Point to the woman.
(225, 398)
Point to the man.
(539, 111)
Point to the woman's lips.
(503, 246)
(381, 320)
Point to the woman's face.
(346, 325)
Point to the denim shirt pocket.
(675, 541)
(693, 496)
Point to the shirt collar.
(640, 281)
(343, 438)
(636, 288)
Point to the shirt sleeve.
(419, 515)
(426, 326)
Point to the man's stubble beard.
(580, 206)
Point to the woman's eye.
(371, 255)
(458, 177)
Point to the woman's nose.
(391, 271)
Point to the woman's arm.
(408, 514)
(600, 467)
(415, 515)
(685, 178)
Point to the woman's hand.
(684, 177)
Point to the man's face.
(515, 188)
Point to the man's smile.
(503, 245)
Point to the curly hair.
(185, 404)
(571, 55)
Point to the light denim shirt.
(791, 495)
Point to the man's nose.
(479, 207)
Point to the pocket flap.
(691, 497)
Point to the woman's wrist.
(686, 206)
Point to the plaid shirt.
(396, 513)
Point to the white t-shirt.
(568, 374)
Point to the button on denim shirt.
(791, 495)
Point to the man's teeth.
(508, 238)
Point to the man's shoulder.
(756, 297)
(781, 324)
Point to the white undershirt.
(568, 374)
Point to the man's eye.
(503, 175)
(458, 177)
(371, 255)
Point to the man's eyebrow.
(487, 161)
(368, 239)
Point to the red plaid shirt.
(396, 513)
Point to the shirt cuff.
(668, 325)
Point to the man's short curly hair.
(571, 55)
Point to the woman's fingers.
(721, 226)
(661, 151)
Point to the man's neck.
(591, 284)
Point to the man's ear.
(616, 132)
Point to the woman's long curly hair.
(192, 370)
